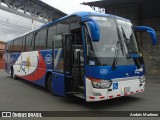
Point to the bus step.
(81, 88)
(73, 92)
(80, 96)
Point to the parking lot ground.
(20, 95)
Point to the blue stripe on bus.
(120, 72)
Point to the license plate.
(127, 89)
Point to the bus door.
(68, 71)
(73, 63)
(68, 55)
(58, 76)
(78, 60)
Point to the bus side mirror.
(150, 31)
(94, 30)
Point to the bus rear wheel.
(49, 84)
(12, 74)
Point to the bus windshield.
(116, 36)
(126, 30)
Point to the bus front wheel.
(49, 84)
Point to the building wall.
(2, 47)
(147, 14)
(2, 63)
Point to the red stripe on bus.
(102, 97)
(110, 96)
(91, 97)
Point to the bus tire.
(49, 84)
(12, 74)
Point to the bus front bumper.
(120, 87)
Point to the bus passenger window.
(17, 45)
(11, 46)
(51, 34)
(23, 44)
(29, 42)
(58, 53)
(40, 40)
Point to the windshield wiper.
(118, 44)
(115, 60)
(124, 36)
(126, 40)
(120, 41)
(134, 51)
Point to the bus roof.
(79, 14)
(83, 14)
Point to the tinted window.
(40, 40)
(23, 44)
(63, 27)
(14, 46)
(29, 42)
(17, 45)
(10, 46)
(74, 23)
(51, 34)
(58, 41)
(77, 37)
(58, 53)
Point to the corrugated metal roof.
(108, 3)
(35, 8)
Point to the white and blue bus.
(93, 56)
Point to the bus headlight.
(142, 79)
(101, 84)
(96, 84)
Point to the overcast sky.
(69, 6)
(12, 26)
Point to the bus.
(89, 55)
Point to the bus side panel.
(45, 64)
(11, 60)
(29, 64)
(17, 64)
(29, 67)
(32, 66)
(58, 84)
(47, 56)
(58, 79)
